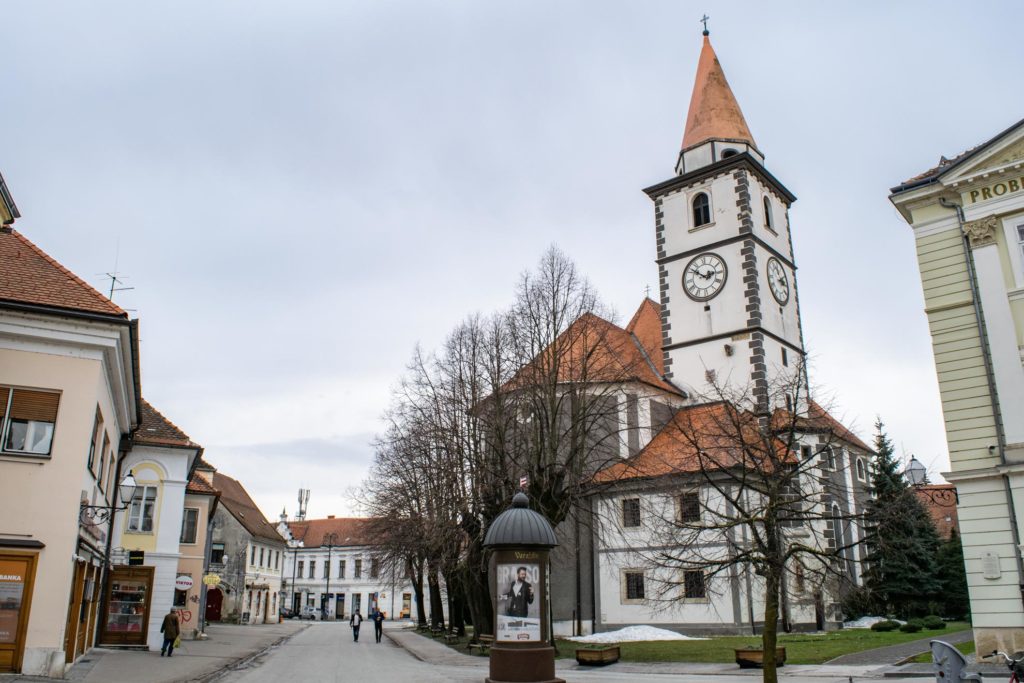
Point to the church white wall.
(681, 234)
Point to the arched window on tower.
(768, 222)
(701, 210)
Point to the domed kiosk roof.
(520, 526)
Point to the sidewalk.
(432, 651)
(195, 661)
(896, 654)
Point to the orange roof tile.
(706, 436)
(819, 419)
(198, 485)
(348, 531)
(595, 350)
(30, 276)
(714, 112)
(646, 327)
(157, 430)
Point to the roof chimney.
(330, 516)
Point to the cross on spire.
(704, 20)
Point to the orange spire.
(714, 112)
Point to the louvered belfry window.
(27, 419)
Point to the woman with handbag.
(171, 633)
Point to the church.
(728, 315)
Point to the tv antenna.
(303, 502)
(115, 280)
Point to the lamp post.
(330, 541)
(94, 515)
(917, 473)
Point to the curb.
(242, 661)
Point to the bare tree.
(733, 489)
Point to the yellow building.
(967, 214)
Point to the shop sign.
(136, 557)
(12, 587)
(211, 579)
(183, 582)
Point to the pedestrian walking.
(378, 624)
(171, 633)
(355, 621)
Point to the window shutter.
(4, 392)
(40, 406)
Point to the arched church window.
(701, 210)
(861, 471)
(768, 222)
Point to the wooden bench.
(483, 644)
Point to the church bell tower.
(726, 271)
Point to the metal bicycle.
(1016, 666)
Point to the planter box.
(754, 659)
(605, 655)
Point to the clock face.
(704, 276)
(778, 281)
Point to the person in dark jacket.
(355, 622)
(171, 632)
(378, 624)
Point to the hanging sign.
(183, 582)
(211, 579)
(136, 557)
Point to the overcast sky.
(301, 192)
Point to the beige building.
(194, 549)
(69, 401)
(967, 214)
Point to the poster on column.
(518, 603)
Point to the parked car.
(287, 613)
(309, 612)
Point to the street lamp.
(94, 515)
(331, 543)
(917, 473)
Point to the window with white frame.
(689, 507)
(358, 574)
(140, 513)
(27, 420)
(341, 569)
(301, 566)
(862, 470)
(701, 209)
(374, 568)
(261, 557)
(1020, 240)
(189, 525)
(312, 569)
(694, 587)
(768, 222)
(633, 585)
(97, 427)
(216, 553)
(631, 512)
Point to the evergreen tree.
(901, 569)
(953, 578)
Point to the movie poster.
(518, 603)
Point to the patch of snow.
(632, 634)
(867, 622)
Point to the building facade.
(967, 214)
(141, 592)
(69, 403)
(331, 566)
(248, 554)
(727, 320)
(194, 549)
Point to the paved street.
(325, 653)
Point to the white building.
(728, 315)
(332, 567)
(967, 214)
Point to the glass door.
(16, 575)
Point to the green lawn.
(800, 648)
(967, 648)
